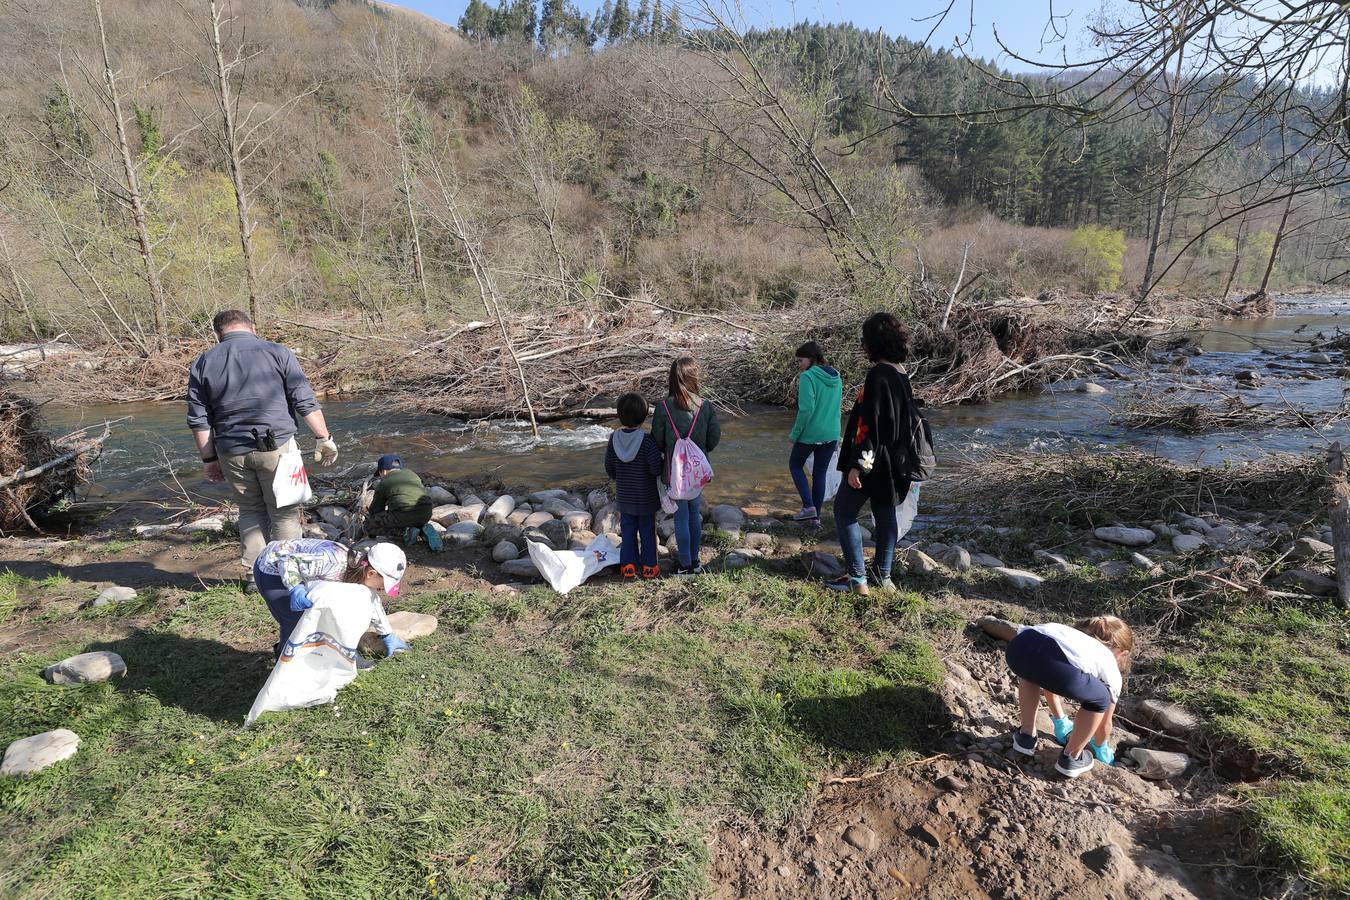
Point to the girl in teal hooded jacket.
(820, 394)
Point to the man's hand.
(211, 471)
(325, 451)
(855, 479)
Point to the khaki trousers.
(260, 521)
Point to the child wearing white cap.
(284, 567)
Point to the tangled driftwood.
(36, 472)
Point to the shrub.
(1100, 252)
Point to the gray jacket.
(244, 383)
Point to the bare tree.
(396, 60)
(131, 194)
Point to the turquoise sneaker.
(1063, 728)
(433, 538)
(411, 536)
(1105, 755)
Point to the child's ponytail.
(1115, 634)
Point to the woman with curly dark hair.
(875, 455)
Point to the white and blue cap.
(391, 562)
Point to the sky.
(1021, 24)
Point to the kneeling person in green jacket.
(401, 503)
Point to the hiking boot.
(628, 571)
(650, 572)
(433, 538)
(1070, 767)
(1024, 743)
(848, 584)
(806, 514)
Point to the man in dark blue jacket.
(243, 396)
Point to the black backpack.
(920, 462)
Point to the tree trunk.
(418, 270)
(158, 306)
(1340, 521)
(1169, 152)
(233, 158)
(1237, 261)
(1275, 247)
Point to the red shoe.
(629, 572)
(650, 572)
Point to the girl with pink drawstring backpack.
(686, 429)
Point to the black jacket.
(880, 423)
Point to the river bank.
(744, 734)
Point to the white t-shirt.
(1085, 653)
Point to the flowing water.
(152, 446)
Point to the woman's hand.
(855, 479)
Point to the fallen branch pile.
(1149, 410)
(1092, 488)
(36, 472)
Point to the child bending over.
(1083, 663)
(633, 460)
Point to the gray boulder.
(534, 520)
(596, 500)
(1091, 387)
(559, 507)
(958, 558)
(520, 568)
(996, 628)
(577, 520)
(1124, 535)
(33, 754)
(505, 551)
(500, 509)
(1309, 582)
(1055, 561)
(606, 519)
(462, 534)
(1189, 543)
(440, 496)
(86, 668)
(495, 534)
(823, 565)
(1159, 765)
(209, 525)
(1143, 563)
(920, 563)
(538, 498)
(518, 517)
(1019, 578)
(984, 559)
(758, 540)
(728, 518)
(1174, 719)
(556, 533)
(1115, 568)
(665, 528)
(1310, 548)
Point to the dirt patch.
(976, 821)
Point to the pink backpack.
(689, 466)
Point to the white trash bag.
(290, 483)
(907, 511)
(565, 569)
(319, 659)
(833, 477)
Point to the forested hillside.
(359, 159)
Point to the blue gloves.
(394, 644)
(1063, 727)
(1103, 752)
(300, 599)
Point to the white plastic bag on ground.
(290, 483)
(565, 569)
(319, 659)
(833, 477)
(906, 512)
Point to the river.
(151, 446)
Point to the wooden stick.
(1339, 512)
(29, 474)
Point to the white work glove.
(325, 451)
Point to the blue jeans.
(637, 531)
(688, 530)
(847, 504)
(278, 598)
(813, 495)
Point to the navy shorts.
(1037, 658)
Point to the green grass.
(10, 582)
(535, 745)
(1273, 686)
